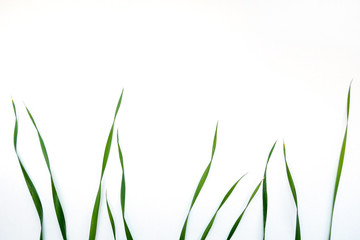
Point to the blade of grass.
(293, 191)
(341, 161)
(264, 192)
(29, 183)
(110, 217)
(199, 186)
(123, 191)
(57, 205)
(232, 231)
(95, 212)
(207, 229)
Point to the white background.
(267, 70)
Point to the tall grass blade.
(29, 183)
(207, 230)
(123, 192)
(57, 205)
(233, 229)
(95, 212)
(341, 161)
(111, 217)
(199, 186)
(264, 192)
(293, 191)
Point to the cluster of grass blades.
(33, 192)
(95, 213)
(94, 218)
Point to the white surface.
(267, 70)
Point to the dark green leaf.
(221, 204)
(111, 217)
(264, 192)
(341, 162)
(29, 183)
(57, 205)
(123, 191)
(233, 229)
(95, 212)
(293, 191)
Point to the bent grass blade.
(199, 186)
(233, 229)
(95, 212)
(293, 191)
(341, 161)
(29, 183)
(207, 230)
(57, 205)
(111, 218)
(264, 192)
(123, 191)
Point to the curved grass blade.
(123, 191)
(29, 183)
(341, 161)
(57, 205)
(95, 212)
(199, 186)
(293, 191)
(264, 192)
(207, 230)
(111, 217)
(232, 231)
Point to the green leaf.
(233, 229)
(123, 191)
(204, 235)
(95, 212)
(57, 205)
(293, 191)
(29, 183)
(199, 186)
(341, 161)
(111, 217)
(264, 192)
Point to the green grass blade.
(233, 229)
(111, 218)
(123, 191)
(95, 212)
(207, 230)
(32, 190)
(264, 192)
(341, 161)
(57, 205)
(293, 191)
(200, 185)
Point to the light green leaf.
(199, 186)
